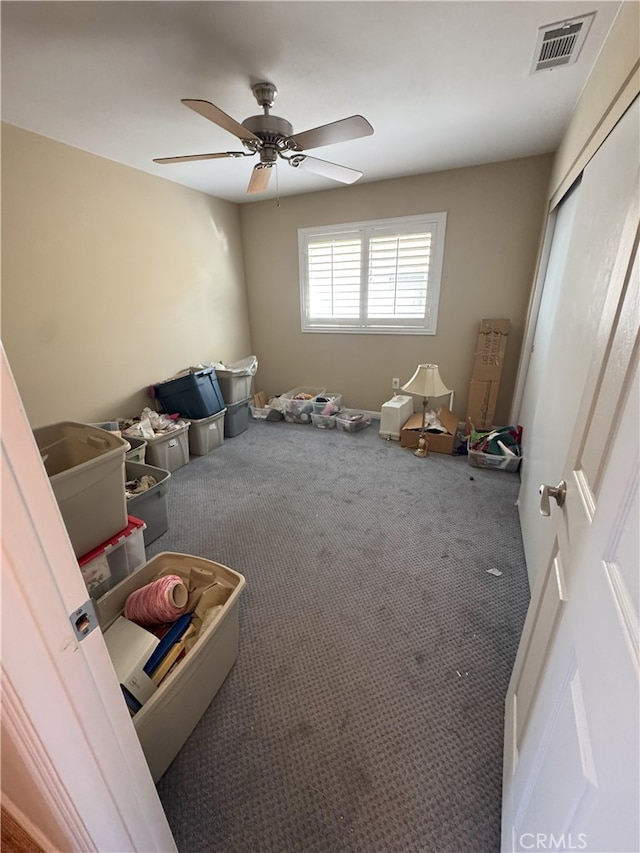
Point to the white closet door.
(583, 252)
(571, 768)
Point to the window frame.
(435, 223)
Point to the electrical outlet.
(395, 384)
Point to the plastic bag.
(245, 367)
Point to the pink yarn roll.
(163, 600)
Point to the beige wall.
(112, 280)
(493, 228)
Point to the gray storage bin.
(235, 387)
(138, 449)
(150, 506)
(205, 434)
(166, 720)
(85, 465)
(237, 418)
(169, 451)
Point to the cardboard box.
(481, 405)
(438, 442)
(490, 350)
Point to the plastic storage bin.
(394, 415)
(169, 451)
(85, 465)
(166, 720)
(235, 387)
(150, 506)
(322, 399)
(323, 421)
(303, 389)
(194, 395)
(206, 434)
(299, 411)
(111, 562)
(351, 421)
(235, 379)
(237, 418)
(138, 449)
(477, 459)
(265, 413)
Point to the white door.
(571, 766)
(587, 226)
(73, 770)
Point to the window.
(381, 276)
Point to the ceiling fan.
(271, 137)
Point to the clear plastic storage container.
(108, 564)
(351, 421)
(324, 399)
(323, 421)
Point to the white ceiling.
(444, 84)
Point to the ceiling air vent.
(560, 44)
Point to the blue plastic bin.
(195, 395)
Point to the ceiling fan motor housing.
(268, 128)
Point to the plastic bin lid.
(133, 524)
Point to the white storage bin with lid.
(85, 465)
(205, 434)
(394, 415)
(111, 562)
(169, 450)
(166, 720)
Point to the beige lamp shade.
(426, 382)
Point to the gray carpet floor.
(365, 710)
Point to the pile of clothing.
(502, 441)
(150, 424)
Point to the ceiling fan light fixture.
(265, 94)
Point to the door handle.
(558, 493)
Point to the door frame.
(533, 312)
(72, 763)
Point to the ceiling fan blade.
(215, 114)
(189, 157)
(328, 170)
(353, 127)
(259, 180)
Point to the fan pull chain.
(277, 187)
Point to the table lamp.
(425, 383)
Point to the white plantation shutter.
(381, 276)
(398, 276)
(334, 270)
